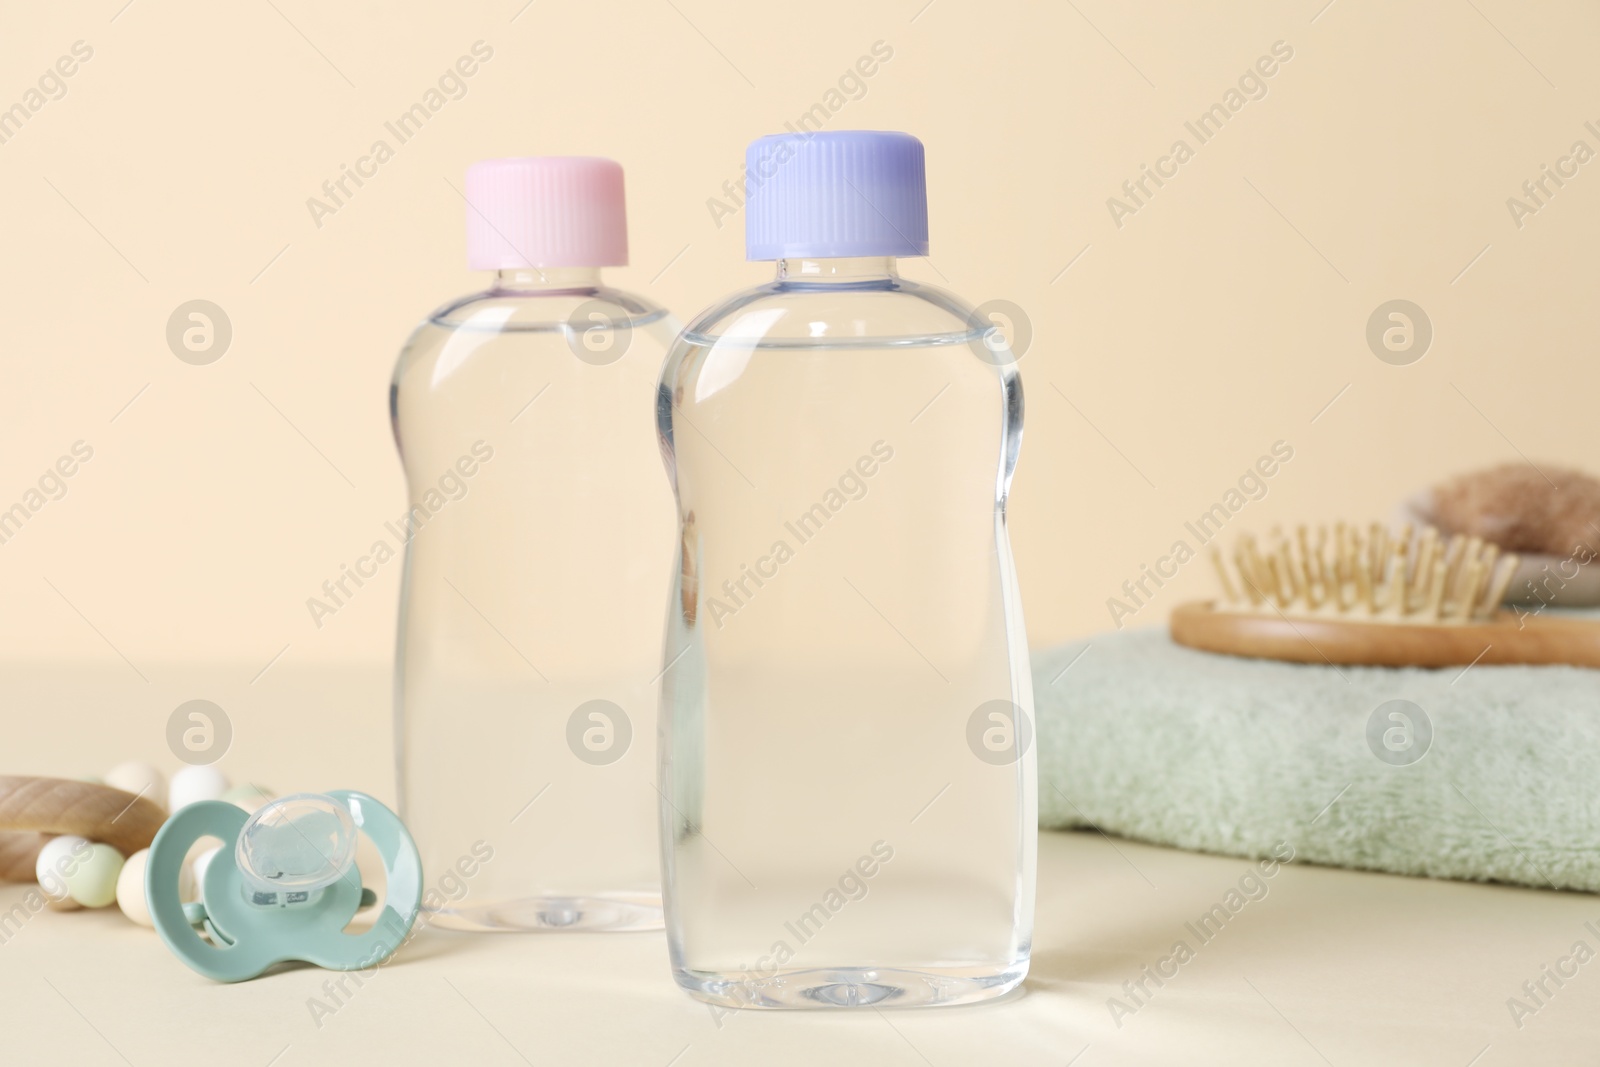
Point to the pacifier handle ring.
(167, 854)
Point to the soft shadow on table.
(433, 944)
(1060, 969)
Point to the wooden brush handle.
(1351, 641)
(59, 806)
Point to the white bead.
(138, 778)
(58, 858)
(130, 889)
(201, 862)
(193, 784)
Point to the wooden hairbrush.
(1379, 599)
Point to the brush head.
(1373, 575)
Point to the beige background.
(1167, 355)
(1223, 316)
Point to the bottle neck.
(850, 270)
(546, 280)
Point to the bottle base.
(854, 987)
(620, 913)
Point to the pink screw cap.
(546, 211)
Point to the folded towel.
(1146, 739)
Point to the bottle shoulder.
(889, 312)
(556, 310)
(595, 324)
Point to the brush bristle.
(1410, 576)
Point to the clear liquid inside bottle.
(842, 823)
(538, 550)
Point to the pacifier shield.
(284, 886)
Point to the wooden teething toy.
(32, 809)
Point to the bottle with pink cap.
(537, 552)
(847, 775)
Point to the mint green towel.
(1149, 740)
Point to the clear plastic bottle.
(537, 554)
(847, 774)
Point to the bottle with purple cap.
(847, 773)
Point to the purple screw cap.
(843, 193)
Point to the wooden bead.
(140, 779)
(130, 889)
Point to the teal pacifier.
(284, 885)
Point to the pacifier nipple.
(294, 846)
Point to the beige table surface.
(1331, 967)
